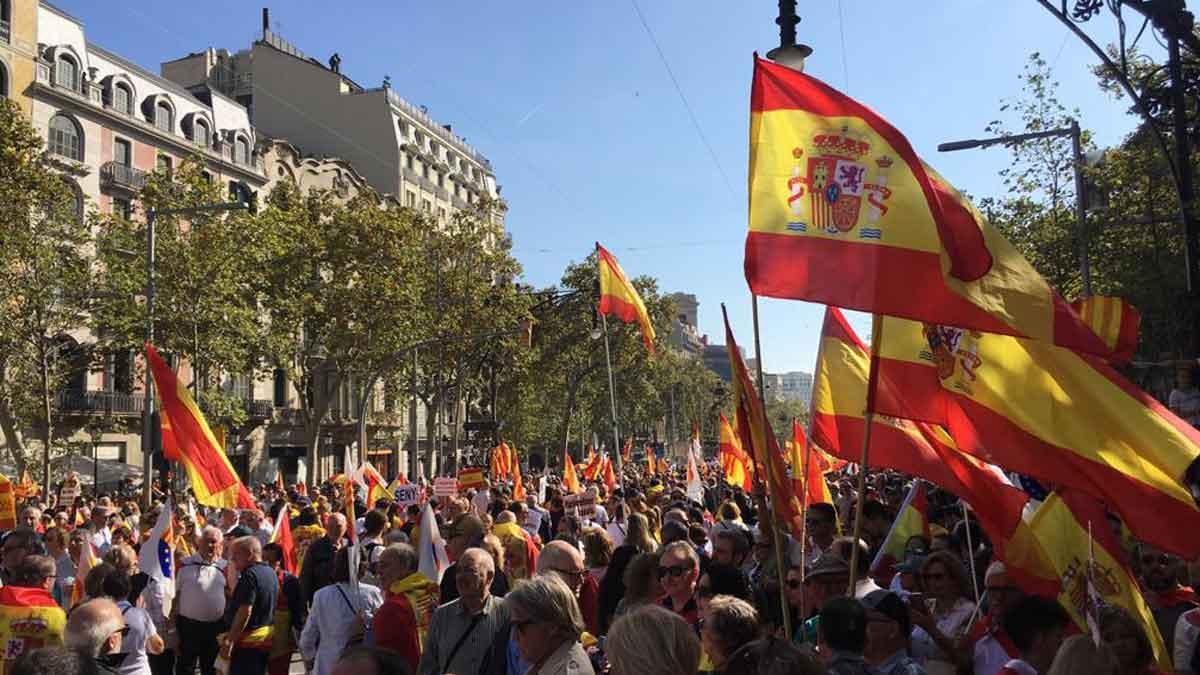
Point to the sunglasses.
(675, 571)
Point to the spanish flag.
(518, 491)
(610, 476)
(915, 448)
(282, 535)
(757, 435)
(619, 298)
(594, 465)
(738, 467)
(376, 485)
(1074, 534)
(808, 477)
(570, 479)
(1052, 414)
(841, 208)
(8, 505)
(187, 439)
(911, 521)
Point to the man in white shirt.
(482, 499)
(101, 536)
(200, 604)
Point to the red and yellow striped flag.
(811, 483)
(619, 298)
(1050, 413)
(1114, 320)
(757, 435)
(187, 439)
(610, 476)
(841, 207)
(912, 520)
(738, 467)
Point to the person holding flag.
(290, 610)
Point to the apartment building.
(18, 49)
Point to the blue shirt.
(900, 663)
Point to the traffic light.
(240, 193)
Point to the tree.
(208, 265)
(46, 272)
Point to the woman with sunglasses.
(945, 612)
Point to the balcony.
(459, 203)
(116, 174)
(260, 409)
(110, 402)
(5, 31)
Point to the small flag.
(570, 479)
(283, 536)
(431, 549)
(156, 557)
(619, 298)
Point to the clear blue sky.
(590, 140)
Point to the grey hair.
(653, 640)
(683, 547)
(403, 553)
(733, 621)
(212, 528)
(250, 544)
(89, 626)
(485, 559)
(547, 599)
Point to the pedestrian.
(547, 626)
(729, 623)
(462, 631)
(200, 604)
(143, 638)
(96, 629)
(316, 571)
(29, 616)
(1159, 573)
(409, 600)
(678, 571)
(364, 660)
(250, 612)
(652, 640)
(1036, 627)
(1080, 655)
(771, 655)
(51, 661)
(989, 647)
(290, 612)
(888, 633)
(842, 637)
(340, 616)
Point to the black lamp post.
(788, 53)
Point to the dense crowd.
(645, 582)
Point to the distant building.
(797, 386)
(716, 359)
(773, 385)
(685, 336)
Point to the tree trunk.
(47, 413)
(314, 412)
(13, 439)
(431, 435)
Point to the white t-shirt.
(134, 643)
(533, 521)
(480, 501)
(616, 532)
(201, 589)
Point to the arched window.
(200, 133)
(164, 117)
(65, 138)
(241, 151)
(122, 99)
(66, 73)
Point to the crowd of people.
(644, 581)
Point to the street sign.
(582, 504)
(406, 495)
(445, 486)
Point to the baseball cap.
(890, 605)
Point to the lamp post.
(788, 53)
(1073, 132)
(148, 437)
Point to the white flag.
(157, 559)
(433, 560)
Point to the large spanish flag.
(619, 298)
(187, 439)
(1075, 535)
(916, 448)
(738, 467)
(1053, 414)
(841, 208)
(757, 435)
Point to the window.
(206, 176)
(123, 152)
(409, 159)
(280, 388)
(165, 165)
(122, 99)
(410, 199)
(439, 179)
(66, 73)
(441, 215)
(164, 118)
(122, 207)
(239, 386)
(118, 372)
(241, 151)
(3, 81)
(65, 139)
(200, 133)
(426, 206)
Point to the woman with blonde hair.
(597, 552)
(642, 584)
(947, 590)
(1078, 655)
(652, 641)
(639, 534)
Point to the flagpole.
(869, 418)
(767, 515)
(807, 458)
(971, 548)
(612, 399)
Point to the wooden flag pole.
(612, 399)
(767, 518)
(812, 407)
(971, 548)
(869, 416)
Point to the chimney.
(266, 21)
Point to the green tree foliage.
(46, 272)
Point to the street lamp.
(788, 53)
(1073, 132)
(245, 200)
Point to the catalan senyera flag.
(594, 465)
(26, 487)
(1062, 525)
(570, 478)
(912, 520)
(916, 448)
(1052, 414)
(1114, 320)
(501, 462)
(841, 207)
(619, 298)
(757, 435)
(187, 439)
(518, 491)
(738, 467)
